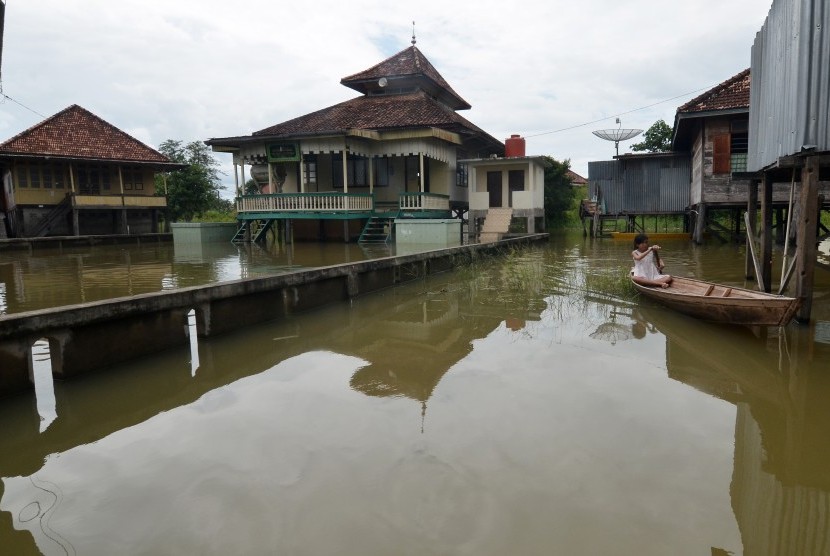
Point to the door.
(494, 188)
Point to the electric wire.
(620, 114)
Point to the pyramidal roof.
(382, 112)
(731, 94)
(77, 133)
(406, 68)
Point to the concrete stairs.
(496, 224)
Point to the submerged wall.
(90, 336)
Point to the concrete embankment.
(86, 337)
(59, 242)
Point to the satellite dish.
(617, 135)
(382, 82)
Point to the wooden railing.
(423, 201)
(336, 203)
(118, 201)
(306, 202)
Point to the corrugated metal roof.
(790, 97)
(642, 185)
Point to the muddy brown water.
(523, 405)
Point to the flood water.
(525, 404)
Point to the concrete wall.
(90, 336)
(203, 232)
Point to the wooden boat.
(719, 303)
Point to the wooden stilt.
(807, 228)
(700, 223)
(751, 214)
(766, 232)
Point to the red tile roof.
(377, 113)
(77, 133)
(575, 178)
(408, 62)
(732, 93)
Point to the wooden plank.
(751, 243)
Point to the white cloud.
(192, 70)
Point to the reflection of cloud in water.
(244, 446)
(32, 503)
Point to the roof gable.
(79, 134)
(408, 67)
(729, 95)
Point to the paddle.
(657, 261)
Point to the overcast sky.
(196, 69)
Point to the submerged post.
(766, 232)
(752, 216)
(806, 242)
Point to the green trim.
(283, 151)
(353, 215)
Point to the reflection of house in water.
(49, 279)
(780, 487)
(413, 344)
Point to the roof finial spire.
(413, 34)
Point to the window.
(34, 176)
(720, 154)
(46, 175)
(92, 179)
(462, 176)
(739, 145)
(22, 176)
(381, 172)
(310, 169)
(515, 182)
(356, 171)
(729, 150)
(133, 179)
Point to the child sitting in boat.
(648, 268)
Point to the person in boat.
(648, 268)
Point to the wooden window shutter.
(720, 154)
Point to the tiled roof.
(575, 178)
(732, 93)
(382, 112)
(408, 62)
(77, 133)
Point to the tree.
(657, 138)
(195, 189)
(559, 194)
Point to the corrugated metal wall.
(658, 185)
(790, 94)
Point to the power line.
(618, 115)
(5, 96)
